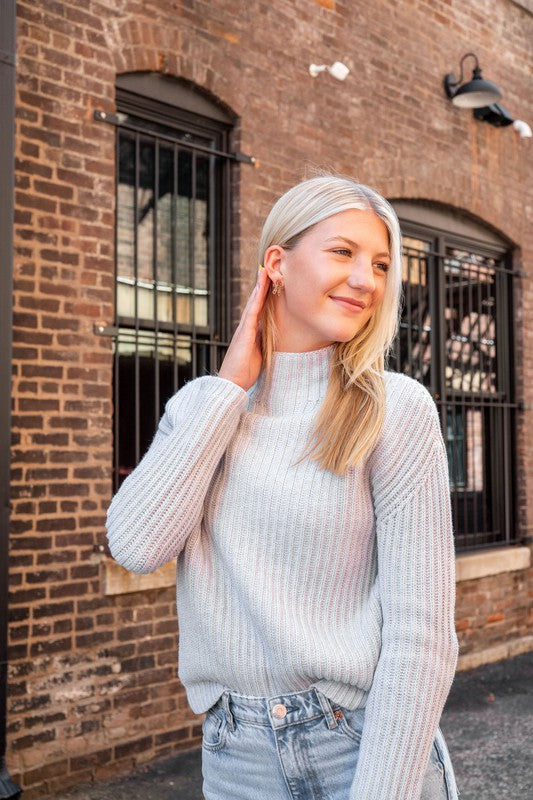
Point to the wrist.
(228, 377)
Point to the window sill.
(471, 566)
(118, 580)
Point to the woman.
(304, 491)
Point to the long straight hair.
(351, 415)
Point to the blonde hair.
(351, 415)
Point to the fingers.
(257, 297)
(261, 291)
(263, 282)
(254, 305)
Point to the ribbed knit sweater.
(289, 576)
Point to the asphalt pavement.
(487, 723)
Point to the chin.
(343, 335)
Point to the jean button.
(279, 710)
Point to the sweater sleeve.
(161, 502)
(416, 583)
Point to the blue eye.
(343, 251)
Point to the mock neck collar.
(298, 382)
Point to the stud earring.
(277, 288)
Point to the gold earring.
(278, 286)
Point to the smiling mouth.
(347, 302)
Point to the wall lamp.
(337, 69)
(476, 93)
(481, 96)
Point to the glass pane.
(464, 439)
(126, 206)
(415, 328)
(165, 210)
(183, 238)
(455, 445)
(201, 241)
(469, 315)
(472, 435)
(135, 265)
(145, 214)
(192, 226)
(167, 280)
(474, 450)
(413, 252)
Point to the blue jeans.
(300, 745)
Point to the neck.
(297, 382)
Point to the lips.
(348, 301)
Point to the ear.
(274, 262)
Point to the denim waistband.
(279, 711)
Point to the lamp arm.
(450, 84)
(461, 64)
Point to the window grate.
(456, 338)
(172, 228)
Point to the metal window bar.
(137, 428)
(184, 333)
(155, 268)
(191, 252)
(454, 340)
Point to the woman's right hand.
(243, 360)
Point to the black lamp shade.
(476, 94)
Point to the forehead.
(353, 224)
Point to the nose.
(362, 275)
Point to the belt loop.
(326, 708)
(225, 705)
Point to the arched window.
(456, 337)
(172, 314)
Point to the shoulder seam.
(406, 496)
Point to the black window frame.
(499, 474)
(150, 118)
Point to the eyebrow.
(354, 244)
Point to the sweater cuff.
(211, 390)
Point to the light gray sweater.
(289, 576)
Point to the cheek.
(379, 296)
(305, 291)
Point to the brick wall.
(93, 686)
(493, 610)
